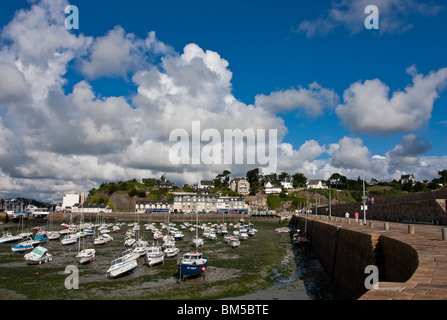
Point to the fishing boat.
(38, 256)
(192, 264)
(120, 267)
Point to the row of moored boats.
(192, 263)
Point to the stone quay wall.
(426, 207)
(345, 253)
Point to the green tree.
(443, 175)
(299, 180)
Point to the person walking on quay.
(356, 217)
(347, 216)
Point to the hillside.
(120, 196)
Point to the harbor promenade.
(411, 257)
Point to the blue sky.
(294, 62)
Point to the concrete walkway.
(429, 281)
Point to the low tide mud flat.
(265, 266)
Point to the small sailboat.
(69, 239)
(234, 241)
(101, 240)
(24, 246)
(129, 241)
(154, 256)
(178, 235)
(41, 237)
(53, 235)
(140, 247)
(130, 255)
(243, 235)
(85, 255)
(120, 267)
(9, 238)
(197, 242)
(170, 249)
(38, 256)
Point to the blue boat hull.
(189, 270)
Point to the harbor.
(264, 266)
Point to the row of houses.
(188, 202)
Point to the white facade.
(69, 200)
(269, 188)
(316, 184)
(191, 202)
(287, 183)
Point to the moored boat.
(192, 264)
(69, 239)
(9, 238)
(24, 246)
(170, 249)
(120, 267)
(154, 258)
(86, 256)
(39, 255)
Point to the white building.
(69, 200)
(91, 208)
(272, 188)
(287, 183)
(192, 202)
(205, 184)
(316, 184)
(154, 206)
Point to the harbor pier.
(411, 259)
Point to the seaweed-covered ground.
(264, 266)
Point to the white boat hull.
(153, 259)
(171, 252)
(86, 256)
(121, 269)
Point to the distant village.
(200, 199)
(206, 196)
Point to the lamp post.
(330, 208)
(364, 198)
